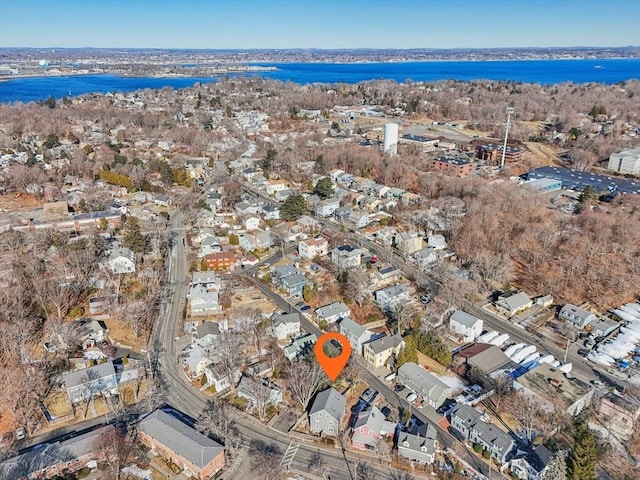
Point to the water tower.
(391, 138)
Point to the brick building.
(455, 166)
(219, 261)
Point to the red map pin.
(332, 366)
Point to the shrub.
(477, 447)
(83, 472)
(486, 454)
(76, 312)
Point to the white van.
(412, 397)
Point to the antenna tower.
(509, 111)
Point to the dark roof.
(180, 438)
(575, 180)
(539, 457)
(452, 161)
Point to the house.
(263, 240)
(408, 242)
(299, 347)
(498, 443)
(282, 195)
(369, 427)
(378, 352)
(172, 439)
(162, 200)
(205, 334)
(208, 280)
(313, 247)
(273, 186)
(294, 284)
(512, 303)
(531, 464)
(92, 331)
(209, 244)
(327, 207)
(89, 382)
(251, 222)
(57, 458)
(468, 326)
(419, 448)
(578, 317)
(346, 256)
(248, 207)
(271, 212)
(437, 241)
(388, 297)
(202, 301)
(247, 242)
(387, 273)
(280, 273)
(355, 333)
(286, 325)
(307, 223)
(332, 312)
(424, 383)
(425, 257)
(259, 390)
(221, 261)
(342, 213)
(327, 413)
(121, 260)
(217, 377)
(358, 218)
(619, 414)
(463, 417)
(196, 361)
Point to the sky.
(245, 24)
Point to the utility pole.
(509, 111)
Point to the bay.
(607, 71)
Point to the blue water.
(534, 71)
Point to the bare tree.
(250, 320)
(364, 471)
(316, 462)
(230, 348)
(216, 417)
(304, 379)
(115, 447)
(266, 460)
(397, 474)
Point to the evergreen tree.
(294, 207)
(133, 239)
(581, 464)
(324, 188)
(409, 353)
(556, 469)
(267, 162)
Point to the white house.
(346, 256)
(466, 325)
(210, 244)
(387, 298)
(313, 247)
(333, 312)
(217, 377)
(271, 212)
(121, 261)
(273, 186)
(358, 218)
(202, 302)
(286, 325)
(326, 208)
(437, 241)
(251, 222)
(355, 333)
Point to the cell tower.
(509, 111)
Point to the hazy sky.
(318, 23)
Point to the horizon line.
(346, 49)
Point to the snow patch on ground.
(453, 382)
(137, 472)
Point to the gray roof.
(79, 377)
(278, 318)
(285, 270)
(417, 442)
(467, 414)
(382, 344)
(351, 326)
(208, 328)
(295, 279)
(423, 382)
(180, 438)
(51, 454)
(372, 417)
(464, 318)
(515, 300)
(330, 401)
(493, 436)
(332, 309)
(394, 290)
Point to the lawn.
(121, 332)
(58, 405)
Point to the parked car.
(398, 388)
(412, 397)
(369, 395)
(386, 411)
(583, 352)
(104, 344)
(20, 433)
